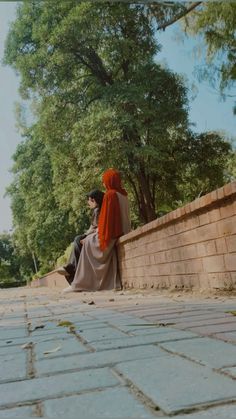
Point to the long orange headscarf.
(109, 225)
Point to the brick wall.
(191, 247)
(51, 279)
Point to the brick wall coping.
(50, 279)
(46, 275)
(50, 273)
(207, 200)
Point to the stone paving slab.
(186, 316)
(136, 328)
(209, 330)
(97, 359)
(174, 383)
(91, 324)
(231, 371)
(102, 334)
(13, 367)
(215, 320)
(227, 336)
(17, 343)
(110, 403)
(128, 369)
(143, 339)
(129, 326)
(157, 328)
(141, 311)
(7, 350)
(13, 324)
(39, 315)
(56, 386)
(9, 333)
(210, 352)
(77, 320)
(58, 348)
(13, 320)
(225, 412)
(49, 331)
(18, 412)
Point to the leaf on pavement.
(51, 351)
(27, 345)
(65, 323)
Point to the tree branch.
(89, 58)
(179, 16)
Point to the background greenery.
(100, 100)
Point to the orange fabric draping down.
(109, 225)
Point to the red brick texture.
(191, 247)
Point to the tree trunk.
(144, 200)
(147, 204)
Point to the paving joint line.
(87, 368)
(138, 394)
(38, 410)
(180, 355)
(217, 370)
(140, 343)
(203, 407)
(225, 373)
(57, 396)
(200, 407)
(119, 329)
(30, 369)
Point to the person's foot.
(67, 289)
(62, 271)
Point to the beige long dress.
(97, 269)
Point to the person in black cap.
(95, 198)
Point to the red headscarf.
(109, 225)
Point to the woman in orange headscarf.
(97, 268)
(110, 220)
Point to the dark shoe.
(62, 271)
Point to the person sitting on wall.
(95, 198)
(97, 267)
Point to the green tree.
(102, 99)
(10, 262)
(208, 167)
(41, 227)
(107, 75)
(6, 257)
(216, 23)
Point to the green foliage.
(216, 22)
(62, 260)
(11, 271)
(101, 93)
(8, 263)
(208, 155)
(101, 100)
(41, 226)
(231, 166)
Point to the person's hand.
(82, 241)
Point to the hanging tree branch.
(179, 16)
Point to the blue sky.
(8, 134)
(207, 111)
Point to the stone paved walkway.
(116, 355)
